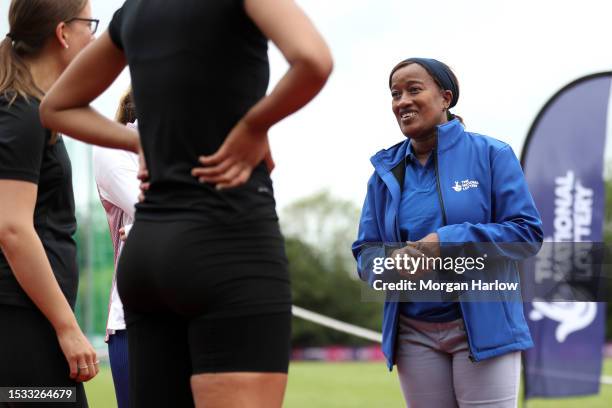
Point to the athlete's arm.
(26, 256)
(310, 60)
(286, 25)
(66, 107)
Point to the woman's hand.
(268, 159)
(232, 164)
(79, 353)
(404, 264)
(122, 234)
(429, 245)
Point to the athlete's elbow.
(47, 113)
(324, 65)
(318, 65)
(10, 232)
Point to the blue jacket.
(499, 209)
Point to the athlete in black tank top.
(194, 79)
(203, 274)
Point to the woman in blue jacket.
(444, 185)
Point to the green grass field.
(348, 385)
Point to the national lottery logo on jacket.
(465, 185)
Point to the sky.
(510, 58)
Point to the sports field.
(348, 385)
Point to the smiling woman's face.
(418, 102)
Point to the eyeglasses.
(92, 23)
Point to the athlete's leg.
(241, 361)
(159, 361)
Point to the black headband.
(438, 71)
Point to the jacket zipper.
(396, 218)
(444, 222)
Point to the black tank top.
(197, 67)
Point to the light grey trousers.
(435, 370)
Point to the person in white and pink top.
(115, 172)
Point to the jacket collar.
(449, 134)
(385, 160)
